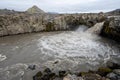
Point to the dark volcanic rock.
(46, 75)
(47, 70)
(38, 76)
(62, 73)
(32, 67)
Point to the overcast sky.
(62, 6)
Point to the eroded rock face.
(20, 23)
(17, 23)
(111, 28)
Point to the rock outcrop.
(17, 23)
(111, 28)
(35, 20)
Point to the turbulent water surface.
(66, 50)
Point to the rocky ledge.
(23, 22)
(111, 72)
(35, 20)
(18, 23)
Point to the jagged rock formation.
(34, 9)
(111, 28)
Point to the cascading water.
(73, 50)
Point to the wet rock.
(115, 75)
(62, 73)
(32, 67)
(38, 76)
(112, 76)
(72, 77)
(46, 75)
(113, 65)
(83, 73)
(50, 76)
(104, 71)
(92, 77)
(47, 70)
(117, 71)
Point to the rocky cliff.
(33, 20)
(17, 23)
(111, 28)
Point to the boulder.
(47, 74)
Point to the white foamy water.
(75, 44)
(2, 57)
(75, 49)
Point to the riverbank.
(110, 72)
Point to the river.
(62, 50)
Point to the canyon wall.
(17, 23)
(22, 22)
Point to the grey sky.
(62, 6)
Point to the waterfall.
(96, 29)
(81, 28)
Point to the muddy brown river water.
(73, 50)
